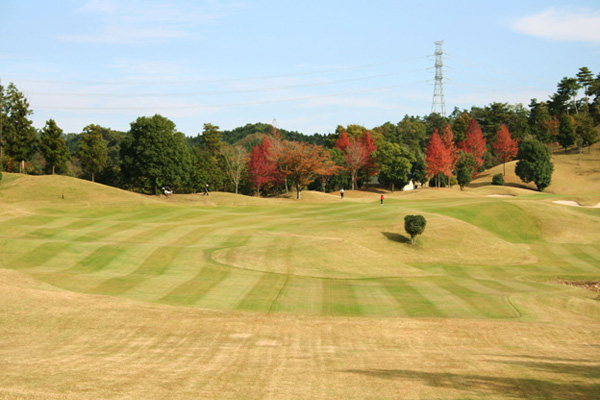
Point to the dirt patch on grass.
(589, 285)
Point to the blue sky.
(308, 65)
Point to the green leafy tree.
(464, 169)
(154, 154)
(534, 164)
(412, 133)
(395, 163)
(92, 150)
(204, 170)
(414, 225)
(566, 132)
(18, 132)
(418, 171)
(53, 147)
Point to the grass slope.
(110, 294)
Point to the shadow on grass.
(396, 237)
(506, 387)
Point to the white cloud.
(141, 22)
(562, 25)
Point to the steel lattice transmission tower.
(439, 103)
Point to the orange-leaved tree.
(448, 139)
(505, 147)
(302, 163)
(437, 157)
(474, 143)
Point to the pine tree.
(53, 147)
(566, 132)
(18, 132)
(505, 147)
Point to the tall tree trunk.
(297, 192)
(93, 177)
(53, 167)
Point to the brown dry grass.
(59, 345)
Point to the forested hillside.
(263, 159)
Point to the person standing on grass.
(205, 190)
(342, 192)
(381, 198)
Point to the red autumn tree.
(437, 157)
(343, 141)
(448, 140)
(369, 146)
(474, 143)
(505, 147)
(261, 168)
(302, 163)
(356, 157)
(358, 153)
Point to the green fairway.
(318, 259)
(328, 287)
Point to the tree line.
(262, 160)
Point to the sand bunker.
(500, 195)
(574, 204)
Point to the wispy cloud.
(139, 22)
(564, 25)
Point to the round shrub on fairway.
(498, 180)
(414, 225)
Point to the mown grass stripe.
(154, 265)
(191, 291)
(567, 255)
(117, 229)
(264, 293)
(42, 254)
(593, 252)
(410, 299)
(151, 232)
(449, 303)
(301, 295)
(339, 298)
(491, 305)
(374, 299)
(37, 220)
(98, 260)
(580, 252)
(230, 291)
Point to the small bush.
(414, 225)
(498, 180)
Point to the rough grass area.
(113, 295)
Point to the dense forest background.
(261, 159)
